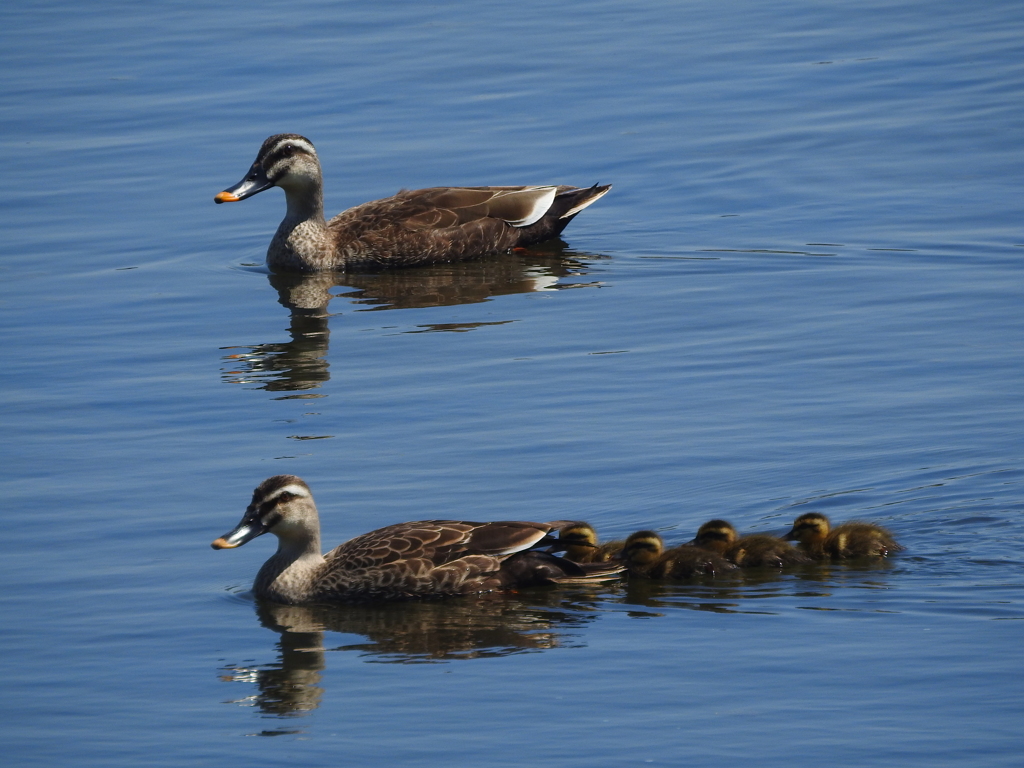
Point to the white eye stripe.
(294, 490)
(298, 143)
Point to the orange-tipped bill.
(255, 181)
(247, 530)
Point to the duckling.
(756, 550)
(818, 539)
(413, 227)
(428, 558)
(579, 541)
(645, 555)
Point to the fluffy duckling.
(429, 558)
(645, 555)
(579, 541)
(818, 539)
(756, 550)
(419, 226)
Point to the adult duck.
(413, 227)
(428, 558)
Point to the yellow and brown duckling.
(419, 226)
(755, 550)
(645, 555)
(427, 558)
(821, 541)
(579, 542)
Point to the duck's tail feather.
(591, 573)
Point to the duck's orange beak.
(255, 181)
(247, 530)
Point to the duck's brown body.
(428, 558)
(413, 227)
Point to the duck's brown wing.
(452, 223)
(429, 557)
(437, 541)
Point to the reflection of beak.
(247, 530)
(255, 181)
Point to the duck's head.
(579, 540)
(717, 535)
(810, 528)
(286, 160)
(282, 505)
(642, 548)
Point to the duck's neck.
(290, 575)
(302, 242)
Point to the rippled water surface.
(804, 292)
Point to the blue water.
(804, 292)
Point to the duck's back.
(430, 557)
(441, 224)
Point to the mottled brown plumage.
(852, 539)
(645, 555)
(579, 541)
(413, 227)
(427, 558)
(755, 550)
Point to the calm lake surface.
(804, 292)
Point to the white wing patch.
(542, 197)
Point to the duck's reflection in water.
(405, 633)
(743, 591)
(301, 363)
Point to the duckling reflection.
(301, 363)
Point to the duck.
(645, 555)
(755, 550)
(413, 227)
(579, 542)
(816, 536)
(427, 558)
